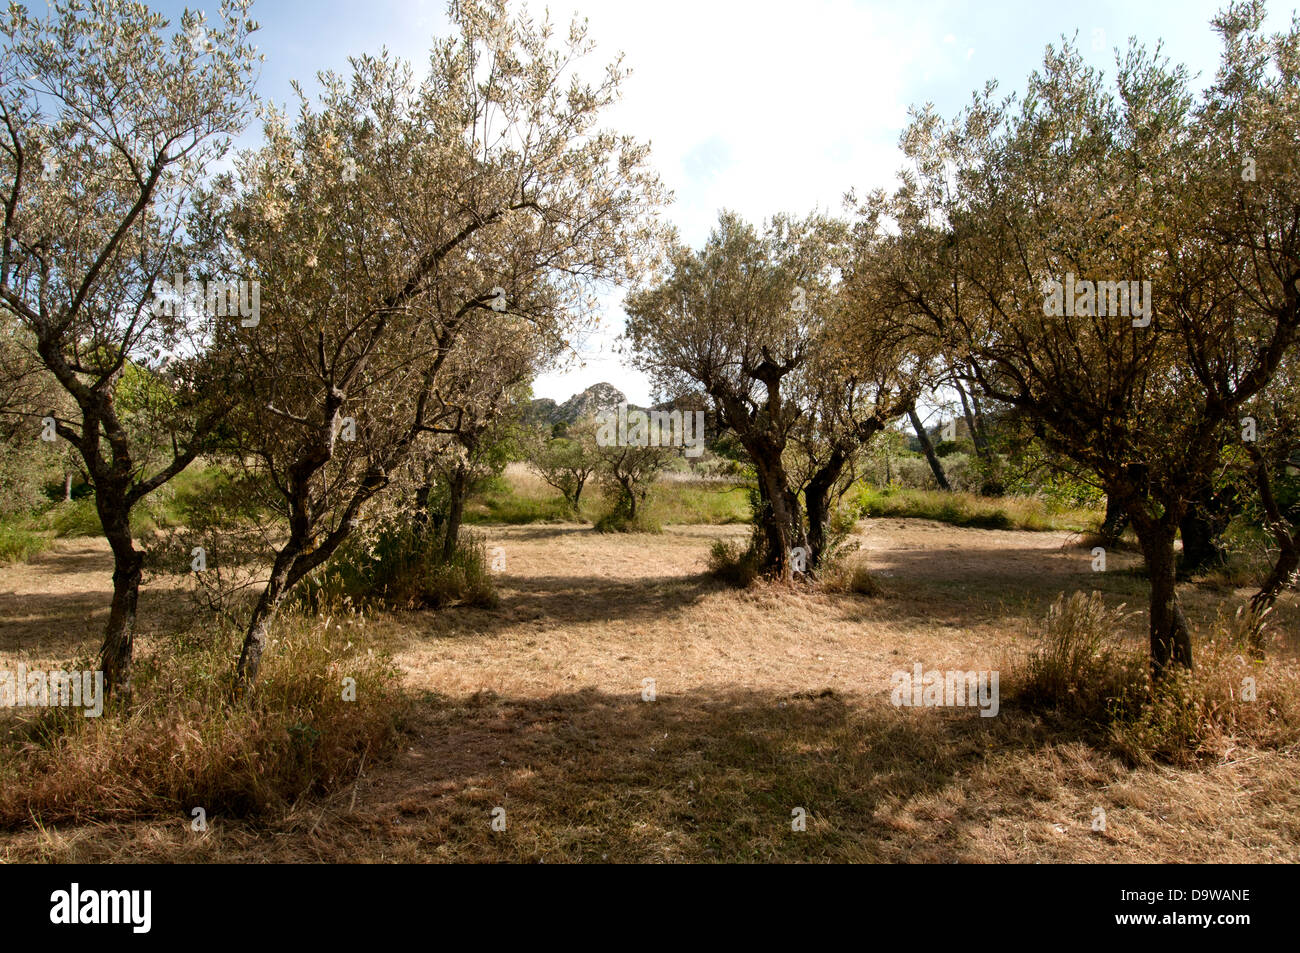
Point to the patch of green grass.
(503, 505)
(19, 542)
(971, 510)
(684, 502)
(515, 500)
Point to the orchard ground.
(764, 702)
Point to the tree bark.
(67, 487)
(1113, 524)
(630, 499)
(119, 634)
(928, 449)
(1171, 640)
(816, 497)
(457, 489)
(782, 521)
(250, 655)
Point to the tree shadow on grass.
(698, 776)
(56, 605)
(568, 600)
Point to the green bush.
(75, 518)
(26, 465)
(617, 521)
(401, 566)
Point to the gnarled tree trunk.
(119, 634)
(255, 636)
(1171, 640)
(781, 519)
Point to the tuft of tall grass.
(1229, 699)
(732, 563)
(1081, 668)
(305, 730)
(18, 542)
(854, 577)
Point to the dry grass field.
(765, 702)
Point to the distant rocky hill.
(591, 401)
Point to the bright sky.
(754, 105)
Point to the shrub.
(77, 518)
(181, 745)
(617, 521)
(856, 578)
(733, 564)
(1080, 668)
(25, 466)
(401, 567)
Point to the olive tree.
(735, 320)
(380, 223)
(109, 120)
(1111, 269)
(568, 461)
(760, 324)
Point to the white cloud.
(760, 108)
(765, 107)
